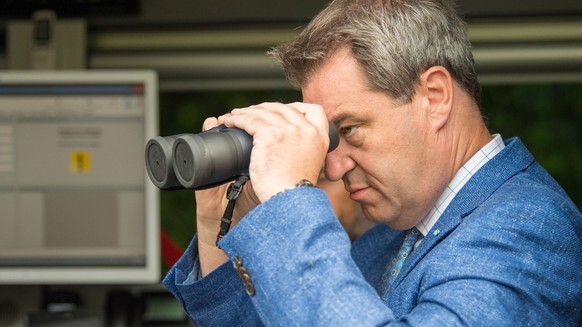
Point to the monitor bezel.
(150, 272)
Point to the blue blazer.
(506, 252)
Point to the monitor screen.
(75, 202)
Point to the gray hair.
(394, 42)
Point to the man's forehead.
(337, 82)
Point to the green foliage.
(548, 119)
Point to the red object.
(171, 251)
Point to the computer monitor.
(76, 206)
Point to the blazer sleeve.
(219, 299)
(299, 259)
(287, 244)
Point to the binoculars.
(203, 160)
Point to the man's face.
(382, 156)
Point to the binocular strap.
(234, 190)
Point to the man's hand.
(290, 142)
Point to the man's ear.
(437, 86)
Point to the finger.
(289, 112)
(209, 123)
(251, 119)
(316, 117)
(268, 113)
(298, 113)
(313, 113)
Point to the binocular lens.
(159, 162)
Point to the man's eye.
(347, 131)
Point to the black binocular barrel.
(212, 157)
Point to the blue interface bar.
(71, 89)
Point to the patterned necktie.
(393, 266)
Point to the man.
(471, 230)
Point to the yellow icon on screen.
(80, 162)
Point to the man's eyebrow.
(339, 119)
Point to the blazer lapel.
(510, 161)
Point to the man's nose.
(337, 164)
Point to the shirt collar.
(459, 180)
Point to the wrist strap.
(234, 190)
